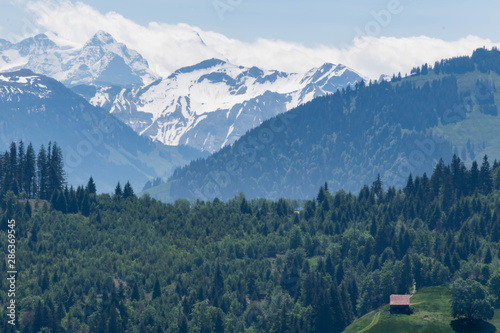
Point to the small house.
(400, 304)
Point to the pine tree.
(14, 167)
(135, 293)
(91, 188)
(21, 160)
(118, 190)
(218, 283)
(53, 199)
(85, 204)
(128, 191)
(156, 289)
(409, 189)
(488, 257)
(183, 325)
(27, 209)
(321, 195)
(29, 172)
(56, 175)
(38, 319)
(485, 179)
(473, 177)
(377, 187)
(44, 282)
(43, 180)
(72, 201)
(61, 203)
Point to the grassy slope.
(160, 192)
(477, 127)
(431, 314)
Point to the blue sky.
(372, 36)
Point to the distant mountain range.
(101, 61)
(347, 138)
(213, 103)
(206, 106)
(38, 109)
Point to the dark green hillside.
(347, 138)
(118, 263)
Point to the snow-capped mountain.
(213, 103)
(101, 61)
(35, 108)
(206, 106)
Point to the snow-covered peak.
(206, 64)
(101, 38)
(101, 61)
(210, 104)
(4, 44)
(37, 45)
(24, 82)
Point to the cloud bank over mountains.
(168, 47)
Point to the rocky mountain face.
(101, 61)
(38, 109)
(212, 104)
(206, 106)
(350, 138)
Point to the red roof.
(400, 299)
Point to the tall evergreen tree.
(14, 167)
(91, 188)
(473, 177)
(43, 177)
(118, 191)
(56, 175)
(128, 191)
(485, 179)
(29, 172)
(156, 289)
(85, 204)
(21, 160)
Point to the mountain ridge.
(36, 108)
(169, 109)
(349, 137)
(200, 105)
(77, 65)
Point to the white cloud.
(168, 47)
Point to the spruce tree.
(156, 289)
(488, 257)
(85, 205)
(29, 172)
(486, 182)
(13, 160)
(118, 190)
(91, 188)
(43, 181)
(135, 293)
(61, 203)
(27, 209)
(56, 175)
(21, 160)
(128, 191)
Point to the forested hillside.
(139, 265)
(347, 138)
(29, 174)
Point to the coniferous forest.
(349, 137)
(122, 263)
